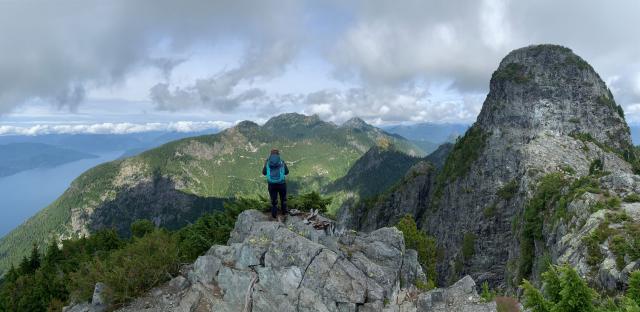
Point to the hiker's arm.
(286, 169)
(264, 169)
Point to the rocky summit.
(291, 266)
(539, 178)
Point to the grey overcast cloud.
(149, 64)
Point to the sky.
(127, 66)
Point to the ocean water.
(25, 193)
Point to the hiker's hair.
(275, 151)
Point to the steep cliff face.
(538, 178)
(547, 111)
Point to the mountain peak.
(247, 124)
(289, 119)
(548, 88)
(356, 123)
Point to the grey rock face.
(297, 274)
(84, 307)
(461, 297)
(541, 99)
(205, 269)
(98, 301)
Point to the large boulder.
(274, 266)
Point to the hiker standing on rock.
(275, 169)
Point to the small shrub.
(490, 211)
(594, 254)
(131, 271)
(599, 205)
(607, 100)
(422, 243)
(596, 167)
(425, 285)
(487, 295)
(509, 190)
(633, 292)
(142, 227)
(568, 169)
(632, 198)
(213, 228)
(514, 72)
(468, 246)
(618, 246)
(618, 217)
(613, 203)
(577, 62)
(308, 201)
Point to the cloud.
(391, 105)
(219, 92)
(54, 51)
(113, 128)
(382, 54)
(463, 41)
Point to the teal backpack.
(275, 173)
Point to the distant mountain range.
(17, 157)
(100, 143)
(177, 182)
(428, 136)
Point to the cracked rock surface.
(274, 266)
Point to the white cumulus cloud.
(113, 128)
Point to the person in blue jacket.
(275, 169)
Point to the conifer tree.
(533, 298)
(633, 292)
(575, 295)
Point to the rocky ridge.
(543, 101)
(547, 112)
(291, 266)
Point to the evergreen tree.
(24, 267)
(633, 292)
(34, 259)
(575, 295)
(552, 284)
(53, 254)
(12, 275)
(533, 298)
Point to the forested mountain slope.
(175, 183)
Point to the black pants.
(274, 191)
